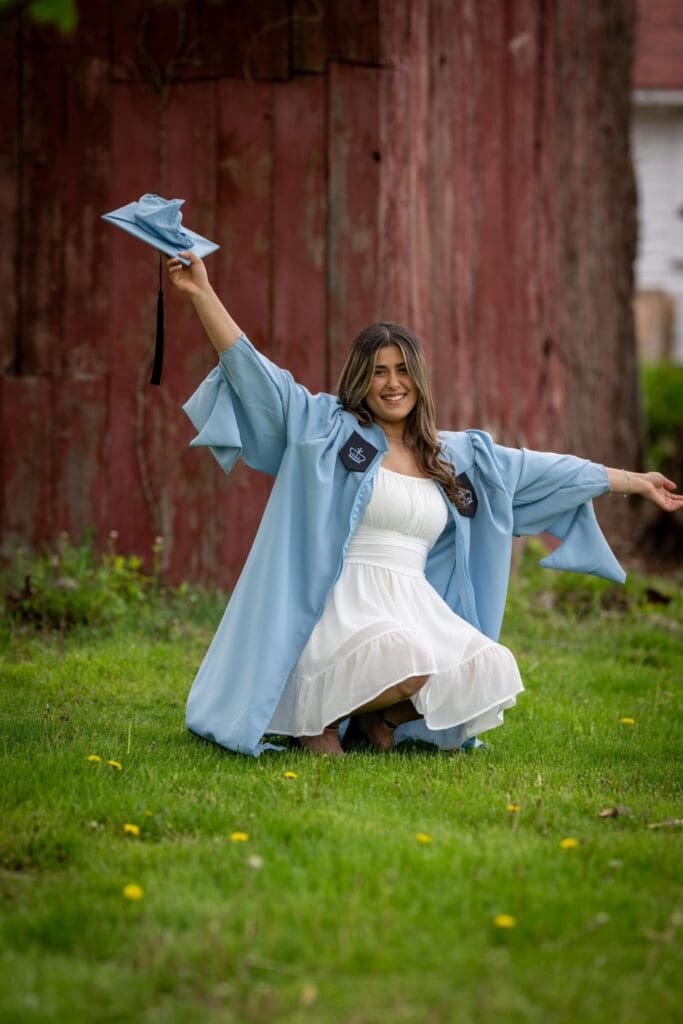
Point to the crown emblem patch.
(357, 453)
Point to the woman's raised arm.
(194, 281)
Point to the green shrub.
(662, 386)
(544, 591)
(69, 586)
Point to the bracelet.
(628, 481)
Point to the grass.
(332, 910)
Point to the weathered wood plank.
(308, 36)
(491, 289)
(522, 324)
(26, 505)
(185, 481)
(134, 504)
(244, 229)
(421, 232)
(9, 200)
(164, 43)
(354, 159)
(298, 246)
(659, 45)
(43, 85)
(442, 212)
(467, 202)
(353, 31)
(395, 83)
(84, 347)
(78, 442)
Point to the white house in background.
(657, 147)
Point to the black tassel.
(159, 346)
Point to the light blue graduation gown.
(249, 407)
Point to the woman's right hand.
(192, 280)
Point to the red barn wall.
(458, 166)
(659, 45)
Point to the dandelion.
(94, 757)
(513, 807)
(628, 721)
(291, 775)
(505, 921)
(131, 830)
(116, 764)
(422, 837)
(149, 814)
(239, 837)
(133, 892)
(255, 862)
(308, 995)
(569, 843)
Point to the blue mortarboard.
(158, 222)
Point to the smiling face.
(393, 393)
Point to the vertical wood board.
(9, 200)
(134, 508)
(193, 39)
(78, 430)
(85, 191)
(354, 157)
(185, 482)
(45, 172)
(244, 228)
(27, 497)
(298, 245)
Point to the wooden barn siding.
(659, 37)
(393, 160)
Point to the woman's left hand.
(656, 488)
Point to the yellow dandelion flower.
(239, 837)
(116, 764)
(131, 830)
(308, 995)
(291, 775)
(513, 807)
(505, 921)
(94, 757)
(628, 721)
(422, 837)
(149, 814)
(133, 892)
(569, 843)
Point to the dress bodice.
(402, 521)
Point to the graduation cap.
(158, 222)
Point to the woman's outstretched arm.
(653, 486)
(194, 281)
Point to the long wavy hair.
(420, 430)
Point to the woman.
(376, 584)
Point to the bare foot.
(375, 730)
(326, 743)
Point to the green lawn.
(332, 910)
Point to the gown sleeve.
(552, 492)
(249, 407)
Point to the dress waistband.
(388, 549)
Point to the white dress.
(384, 622)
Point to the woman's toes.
(326, 743)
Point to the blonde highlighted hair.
(420, 433)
